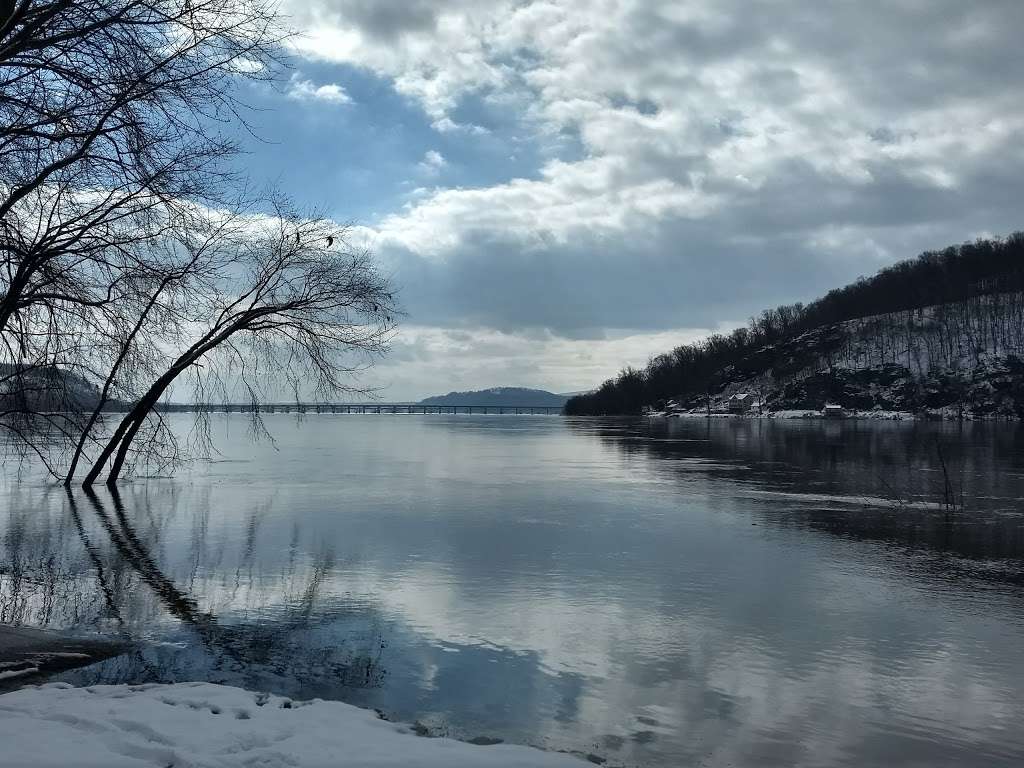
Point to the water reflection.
(287, 631)
(111, 579)
(880, 481)
(656, 594)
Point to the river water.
(665, 593)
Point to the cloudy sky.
(562, 187)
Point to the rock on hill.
(515, 396)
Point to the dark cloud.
(387, 19)
(766, 249)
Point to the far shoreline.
(812, 415)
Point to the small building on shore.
(833, 411)
(741, 402)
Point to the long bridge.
(375, 408)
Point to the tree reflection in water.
(875, 482)
(91, 567)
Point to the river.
(651, 593)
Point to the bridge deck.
(361, 408)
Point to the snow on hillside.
(953, 359)
(202, 725)
(946, 336)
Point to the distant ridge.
(46, 388)
(516, 396)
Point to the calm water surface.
(676, 593)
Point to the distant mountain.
(45, 388)
(515, 396)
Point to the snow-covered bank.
(201, 725)
(877, 415)
(932, 414)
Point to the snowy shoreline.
(811, 415)
(205, 725)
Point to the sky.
(559, 188)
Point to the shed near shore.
(741, 402)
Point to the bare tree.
(108, 136)
(130, 261)
(105, 114)
(164, 313)
(283, 307)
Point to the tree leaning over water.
(130, 252)
(282, 308)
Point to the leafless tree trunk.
(303, 312)
(105, 145)
(108, 170)
(155, 304)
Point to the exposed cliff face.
(944, 328)
(994, 387)
(955, 359)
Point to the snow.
(203, 725)
(794, 414)
(874, 415)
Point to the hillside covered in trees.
(944, 331)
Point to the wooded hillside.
(943, 330)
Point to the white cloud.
(567, 199)
(428, 360)
(662, 94)
(447, 125)
(307, 90)
(433, 52)
(702, 158)
(432, 162)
